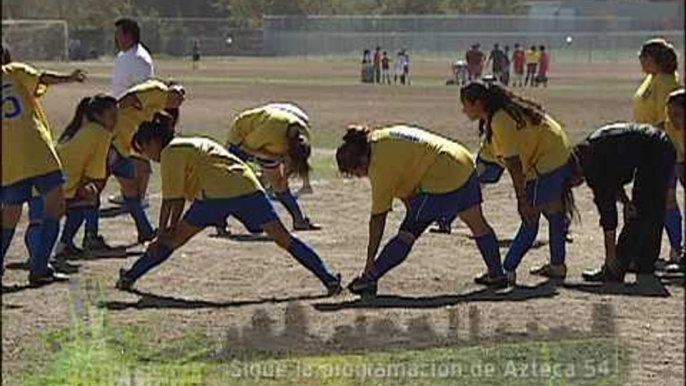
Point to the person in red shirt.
(518, 61)
(475, 62)
(543, 67)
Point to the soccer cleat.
(97, 246)
(306, 225)
(511, 278)
(124, 283)
(363, 286)
(49, 277)
(64, 251)
(442, 228)
(601, 275)
(334, 288)
(486, 279)
(223, 231)
(552, 271)
(118, 200)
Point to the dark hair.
(677, 97)
(355, 148)
(299, 150)
(542, 48)
(533, 48)
(90, 108)
(6, 57)
(495, 97)
(663, 53)
(159, 128)
(129, 26)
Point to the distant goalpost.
(36, 39)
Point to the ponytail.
(299, 151)
(495, 97)
(355, 151)
(90, 108)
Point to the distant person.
(518, 63)
(459, 73)
(406, 78)
(398, 68)
(532, 57)
(385, 68)
(497, 59)
(377, 65)
(543, 67)
(133, 66)
(196, 54)
(475, 62)
(366, 71)
(506, 66)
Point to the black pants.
(530, 74)
(641, 237)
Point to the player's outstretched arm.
(50, 78)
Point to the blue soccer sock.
(309, 259)
(288, 200)
(92, 216)
(49, 232)
(75, 218)
(33, 231)
(520, 246)
(7, 234)
(674, 227)
(134, 206)
(392, 255)
(557, 228)
(149, 261)
(488, 246)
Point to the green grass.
(95, 354)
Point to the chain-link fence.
(37, 39)
(570, 38)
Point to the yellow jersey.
(84, 156)
(650, 100)
(264, 130)
(677, 138)
(540, 148)
(200, 168)
(532, 57)
(27, 148)
(406, 161)
(153, 97)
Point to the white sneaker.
(118, 200)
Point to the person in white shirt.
(132, 66)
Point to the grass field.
(232, 312)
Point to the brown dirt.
(216, 284)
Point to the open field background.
(223, 289)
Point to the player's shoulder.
(142, 54)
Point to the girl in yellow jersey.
(659, 62)
(138, 105)
(278, 139)
(433, 176)
(83, 149)
(218, 184)
(536, 153)
(30, 162)
(675, 127)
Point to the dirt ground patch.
(218, 285)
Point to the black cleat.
(492, 281)
(124, 283)
(363, 286)
(334, 288)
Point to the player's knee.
(407, 237)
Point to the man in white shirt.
(132, 66)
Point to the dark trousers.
(530, 74)
(641, 237)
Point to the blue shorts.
(22, 191)
(253, 210)
(489, 172)
(425, 208)
(120, 166)
(548, 187)
(247, 157)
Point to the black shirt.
(610, 157)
